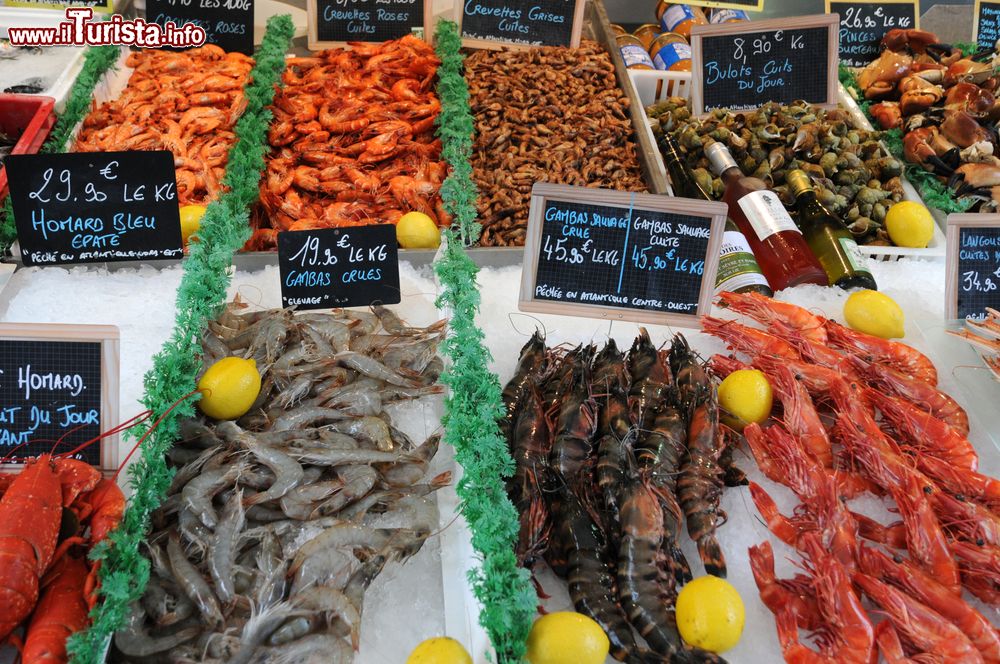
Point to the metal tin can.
(634, 53)
(647, 33)
(671, 52)
(618, 30)
(681, 18)
(728, 16)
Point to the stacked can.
(679, 18)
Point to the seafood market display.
(946, 106)
(51, 514)
(276, 524)
(853, 175)
(185, 102)
(353, 141)
(614, 454)
(863, 415)
(551, 114)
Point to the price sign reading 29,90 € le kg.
(620, 256)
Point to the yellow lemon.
(439, 650)
(416, 230)
(746, 394)
(191, 221)
(909, 224)
(229, 388)
(710, 614)
(567, 638)
(874, 313)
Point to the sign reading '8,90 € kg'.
(742, 66)
(95, 207)
(620, 256)
(58, 383)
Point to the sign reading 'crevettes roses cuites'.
(95, 207)
(742, 66)
(520, 23)
(58, 384)
(621, 256)
(339, 267)
(334, 22)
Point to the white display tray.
(68, 59)
(654, 85)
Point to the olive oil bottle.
(830, 240)
(738, 270)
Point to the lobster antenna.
(152, 428)
(64, 436)
(127, 424)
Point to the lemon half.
(229, 388)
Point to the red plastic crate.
(29, 116)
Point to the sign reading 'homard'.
(58, 390)
(742, 66)
(334, 267)
(602, 253)
(95, 207)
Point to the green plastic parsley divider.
(96, 62)
(475, 403)
(202, 291)
(935, 193)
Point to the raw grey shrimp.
(412, 467)
(373, 429)
(196, 496)
(287, 471)
(342, 536)
(356, 482)
(133, 641)
(322, 456)
(375, 369)
(307, 416)
(192, 582)
(222, 551)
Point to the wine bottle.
(828, 237)
(738, 271)
(781, 251)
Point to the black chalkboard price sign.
(228, 23)
(334, 22)
(972, 280)
(622, 256)
(742, 66)
(339, 267)
(95, 207)
(864, 23)
(58, 383)
(987, 18)
(754, 5)
(520, 24)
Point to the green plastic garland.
(475, 403)
(96, 62)
(224, 228)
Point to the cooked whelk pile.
(276, 524)
(550, 114)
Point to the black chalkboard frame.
(955, 224)
(701, 32)
(877, 3)
(977, 14)
(110, 338)
(755, 6)
(313, 42)
(542, 193)
(490, 44)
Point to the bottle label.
(764, 211)
(728, 16)
(670, 55)
(737, 266)
(857, 260)
(674, 16)
(635, 55)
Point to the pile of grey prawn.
(269, 536)
(614, 453)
